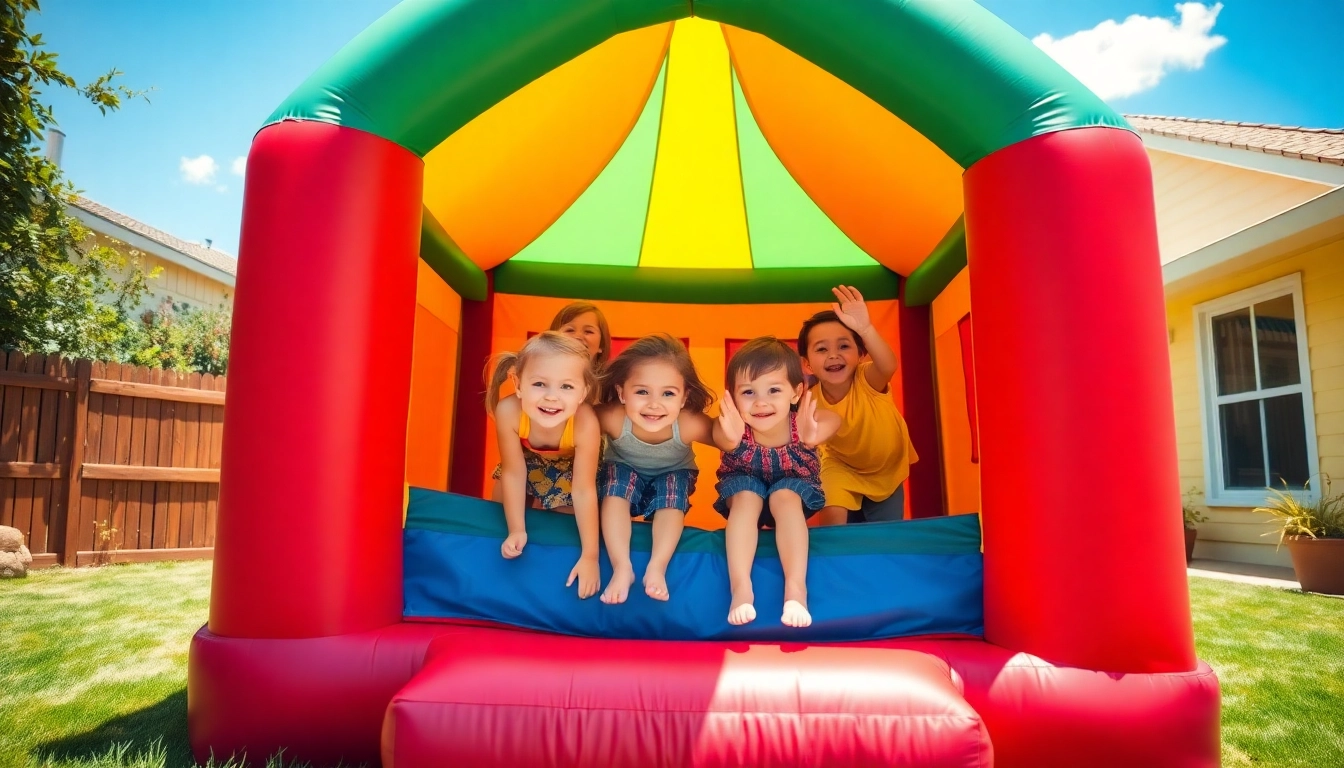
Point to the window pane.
(1276, 335)
(1234, 360)
(1286, 432)
(1243, 450)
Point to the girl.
(769, 460)
(585, 322)
(653, 411)
(548, 443)
(864, 465)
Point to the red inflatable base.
(501, 697)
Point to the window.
(1255, 388)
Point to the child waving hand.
(865, 464)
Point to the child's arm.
(815, 427)
(512, 476)
(583, 487)
(610, 418)
(853, 312)
(729, 427)
(696, 428)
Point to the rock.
(14, 556)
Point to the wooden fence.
(101, 462)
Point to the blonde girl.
(548, 443)
(585, 322)
(653, 411)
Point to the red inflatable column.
(309, 532)
(925, 487)
(1084, 559)
(470, 421)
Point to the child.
(864, 465)
(769, 459)
(548, 443)
(653, 411)
(585, 322)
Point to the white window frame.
(1215, 494)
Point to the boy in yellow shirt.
(864, 466)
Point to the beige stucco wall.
(1235, 533)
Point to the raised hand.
(851, 309)
(731, 422)
(513, 545)
(586, 572)
(808, 428)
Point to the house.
(192, 274)
(1251, 232)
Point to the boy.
(864, 466)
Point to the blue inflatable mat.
(865, 582)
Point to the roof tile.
(208, 256)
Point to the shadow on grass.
(164, 722)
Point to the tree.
(59, 292)
(180, 338)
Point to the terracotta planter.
(1318, 563)
(1190, 535)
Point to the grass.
(93, 668)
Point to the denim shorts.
(731, 485)
(649, 493)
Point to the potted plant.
(1192, 517)
(1315, 537)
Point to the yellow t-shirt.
(872, 453)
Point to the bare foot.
(619, 587)
(795, 614)
(742, 611)
(655, 583)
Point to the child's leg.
(740, 538)
(616, 534)
(832, 515)
(667, 525)
(791, 540)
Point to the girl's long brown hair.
(541, 345)
(663, 347)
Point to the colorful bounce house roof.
(700, 152)
(696, 145)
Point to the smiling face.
(552, 387)
(654, 394)
(585, 328)
(832, 354)
(764, 400)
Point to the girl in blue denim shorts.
(653, 411)
(770, 473)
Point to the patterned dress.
(763, 470)
(550, 471)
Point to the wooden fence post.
(74, 464)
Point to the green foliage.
(59, 292)
(1322, 520)
(1190, 509)
(180, 338)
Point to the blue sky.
(219, 67)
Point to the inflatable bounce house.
(708, 168)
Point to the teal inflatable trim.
(949, 68)
(438, 250)
(941, 266)
(692, 286)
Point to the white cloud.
(1118, 60)
(198, 170)
(239, 166)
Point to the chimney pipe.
(208, 242)
(55, 145)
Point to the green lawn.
(93, 668)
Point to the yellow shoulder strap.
(567, 438)
(524, 425)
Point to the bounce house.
(707, 168)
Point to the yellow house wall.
(174, 281)
(1235, 533)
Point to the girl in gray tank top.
(653, 410)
